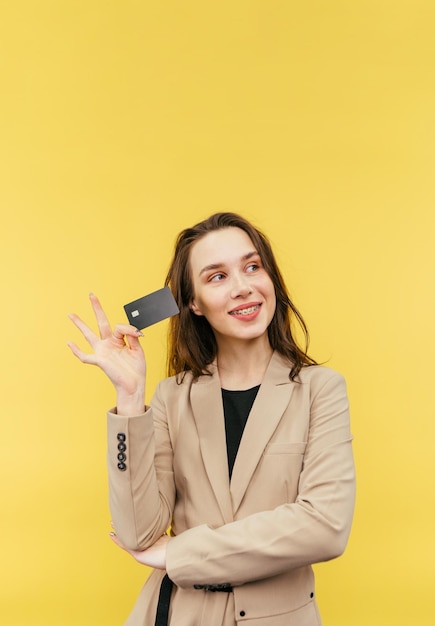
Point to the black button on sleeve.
(121, 437)
(122, 467)
(122, 447)
(121, 456)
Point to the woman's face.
(230, 285)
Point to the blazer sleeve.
(314, 528)
(141, 480)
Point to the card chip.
(135, 313)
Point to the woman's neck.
(243, 366)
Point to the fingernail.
(112, 534)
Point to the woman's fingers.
(125, 331)
(124, 337)
(83, 356)
(103, 322)
(87, 333)
(120, 332)
(114, 538)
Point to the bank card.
(151, 309)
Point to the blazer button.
(122, 467)
(122, 447)
(121, 456)
(121, 436)
(242, 613)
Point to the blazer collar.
(206, 399)
(269, 406)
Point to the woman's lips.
(246, 311)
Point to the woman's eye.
(253, 267)
(216, 277)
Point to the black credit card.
(152, 308)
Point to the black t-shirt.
(237, 406)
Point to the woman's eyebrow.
(217, 266)
(212, 266)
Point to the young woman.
(244, 452)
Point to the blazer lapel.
(206, 398)
(272, 399)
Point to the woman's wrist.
(130, 403)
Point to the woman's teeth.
(247, 311)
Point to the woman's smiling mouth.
(248, 310)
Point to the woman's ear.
(194, 308)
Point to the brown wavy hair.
(191, 341)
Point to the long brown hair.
(191, 341)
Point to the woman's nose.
(240, 287)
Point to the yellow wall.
(121, 123)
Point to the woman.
(245, 451)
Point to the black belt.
(162, 612)
(222, 587)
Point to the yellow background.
(122, 122)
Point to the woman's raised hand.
(119, 354)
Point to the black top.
(237, 406)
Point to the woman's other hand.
(154, 556)
(119, 354)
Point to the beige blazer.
(289, 503)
